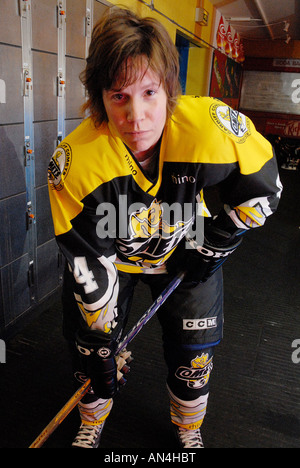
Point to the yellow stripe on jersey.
(90, 317)
(205, 130)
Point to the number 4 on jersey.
(83, 275)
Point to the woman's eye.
(118, 97)
(150, 92)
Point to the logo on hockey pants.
(200, 324)
(198, 374)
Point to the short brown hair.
(121, 35)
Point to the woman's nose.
(135, 110)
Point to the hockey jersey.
(110, 215)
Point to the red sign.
(285, 128)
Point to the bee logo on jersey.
(231, 122)
(147, 221)
(59, 166)
(154, 232)
(198, 374)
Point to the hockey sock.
(188, 414)
(96, 412)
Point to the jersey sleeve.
(250, 199)
(90, 256)
(251, 187)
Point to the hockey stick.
(78, 395)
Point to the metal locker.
(43, 213)
(43, 46)
(75, 56)
(10, 26)
(14, 240)
(75, 42)
(15, 292)
(11, 111)
(26, 78)
(12, 160)
(44, 25)
(48, 265)
(75, 94)
(71, 124)
(45, 86)
(99, 9)
(20, 276)
(45, 137)
(45, 102)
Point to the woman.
(126, 191)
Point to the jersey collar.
(144, 182)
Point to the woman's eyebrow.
(147, 85)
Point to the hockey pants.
(192, 325)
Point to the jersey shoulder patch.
(230, 121)
(59, 166)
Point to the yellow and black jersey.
(109, 215)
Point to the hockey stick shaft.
(61, 415)
(78, 395)
(150, 312)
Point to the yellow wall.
(205, 31)
(200, 59)
(182, 12)
(198, 73)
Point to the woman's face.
(138, 112)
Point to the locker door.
(75, 61)
(14, 259)
(45, 43)
(99, 9)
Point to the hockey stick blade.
(78, 395)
